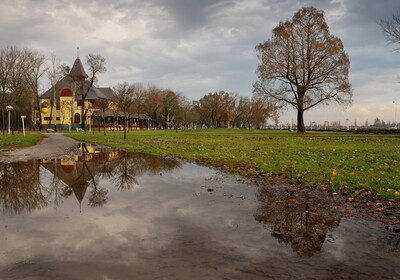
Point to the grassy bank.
(18, 140)
(337, 161)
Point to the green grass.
(18, 140)
(340, 162)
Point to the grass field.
(342, 162)
(18, 140)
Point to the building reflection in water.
(23, 188)
(298, 217)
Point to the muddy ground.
(52, 145)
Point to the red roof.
(66, 92)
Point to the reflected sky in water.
(107, 214)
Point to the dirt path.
(53, 145)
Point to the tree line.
(23, 71)
(302, 65)
(171, 110)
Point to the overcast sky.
(201, 46)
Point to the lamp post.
(23, 117)
(395, 113)
(9, 109)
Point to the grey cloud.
(193, 46)
(192, 14)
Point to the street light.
(9, 109)
(395, 113)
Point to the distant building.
(66, 111)
(226, 121)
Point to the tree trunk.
(37, 101)
(83, 117)
(300, 120)
(104, 124)
(125, 125)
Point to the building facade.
(61, 105)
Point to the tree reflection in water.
(20, 187)
(24, 187)
(301, 218)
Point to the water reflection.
(23, 189)
(171, 226)
(20, 187)
(300, 218)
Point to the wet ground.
(97, 213)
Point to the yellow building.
(66, 111)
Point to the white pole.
(395, 114)
(23, 126)
(9, 123)
(9, 109)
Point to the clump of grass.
(337, 161)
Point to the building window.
(77, 118)
(80, 103)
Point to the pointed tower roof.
(77, 72)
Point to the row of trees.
(170, 110)
(303, 65)
(23, 70)
(20, 73)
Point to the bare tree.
(138, 100)
(102, 105)
(5, 73)
(124, 99)
(185, 116)
(213, 106)
(170, 101)
(14, 90)
(152, 103)
(37, 67)
(54, 74)
(391, 29)
(242, 112)
(261, 110)
(303, 65)
(96, 65)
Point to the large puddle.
(106, 214)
